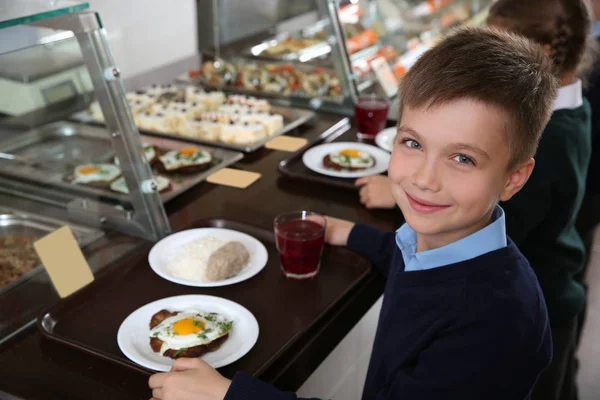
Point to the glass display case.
(102, 177)
(280, 67)
(407, 28)
(96, 180)
(353, 47)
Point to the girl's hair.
(563, 25)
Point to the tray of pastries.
(233, 121)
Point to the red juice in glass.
(371, 116)
(300, 238)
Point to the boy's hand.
(189, 379)
(375, 192)
(338, 231)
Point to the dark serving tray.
(294, 168)
(285, 309)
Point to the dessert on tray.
(195, 113)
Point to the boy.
(463, 315)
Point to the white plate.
(313, 159)
(385, 139)
(134, 333)
(162, 251)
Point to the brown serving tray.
(294, 168)
(285, 309)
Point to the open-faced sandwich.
(186, 160)
(96, 175)
(120, 186)
(348, 160)
(189, 333)
(149, 152)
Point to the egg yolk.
(188, 151)
(90, 169)
(350, 153)
(188, 326)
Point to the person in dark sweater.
(541, 218)
(463, 315)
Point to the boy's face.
(449, 169)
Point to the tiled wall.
(342, 374)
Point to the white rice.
(190, 260)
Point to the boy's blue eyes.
(460, 158)
(413, 144)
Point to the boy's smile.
(449, 169)
(424, 206)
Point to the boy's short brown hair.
(492, 67)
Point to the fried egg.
(185, 157)
(350, 158)
(148, 151)
(90, 173)
(190, 328)
(121, 186)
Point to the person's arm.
(378, 246)
(248, 388)
(375, 192)
(193, 378)
(474, 361)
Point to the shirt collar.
(569, 96)
(490, 238)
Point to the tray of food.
(258, 78)
(18, 231)
(336, 159)
(310, 43)
(290, 48)
(231, 121)
(320, 29)
(242, 318)
(80, 159)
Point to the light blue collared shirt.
(490, 238)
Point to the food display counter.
(167, 136)
(355, 47)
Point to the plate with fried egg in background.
(346, 159)
(385, 139)
(218, 330)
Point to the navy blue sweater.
(473, 330)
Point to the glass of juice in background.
(300, 238)
(371, 116)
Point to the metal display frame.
(148, 218)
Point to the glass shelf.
(21, 12)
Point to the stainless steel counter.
(24, 299)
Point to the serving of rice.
(190, 260)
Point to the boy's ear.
(517, 179)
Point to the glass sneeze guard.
(142, 214)
(13, 12)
